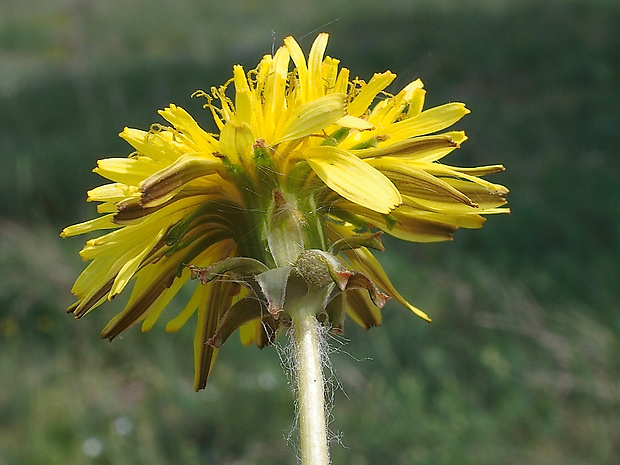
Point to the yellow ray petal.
(469, 220)
(394, 167)
(435, 201)
(329, 71)
(444, 205)
(409, 227)
(132, 264)
(342, 82)
(416, 101)
(299, 59)
(387, 111)
(116, 242)
(102, 222)
(179, 321)
(274, 92)
(89, 302)
(428, 148)
(248, 332)
(236, 142)
(176, 175)
(130, 171)
(96, 273)
(427, 122)
(315, 60)
(151, 282)
(313, 116)
(157, 145)
(244, 104)
(112, 193)
(155, 310)
(108, 207)
(184, 122)
(353, 179)
(362, 101)
(352, 122)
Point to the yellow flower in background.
(308, 168)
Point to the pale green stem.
(287, 238)
(310, 388)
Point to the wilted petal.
(365, 262)
(131, 265)
(429, 148)
(336, 312)
(147, 290)
(239, 314)
(361, 281)
(210, 311)
(184, 170)
(155, 310)
(407, 173)
(179, 321)
(361, 309)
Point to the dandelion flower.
(307, 169)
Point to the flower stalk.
(306, 339)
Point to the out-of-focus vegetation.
(520, 365)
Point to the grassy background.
(520, 365)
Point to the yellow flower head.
(308, 168)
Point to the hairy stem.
(306, 339)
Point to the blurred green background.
(520, 365)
